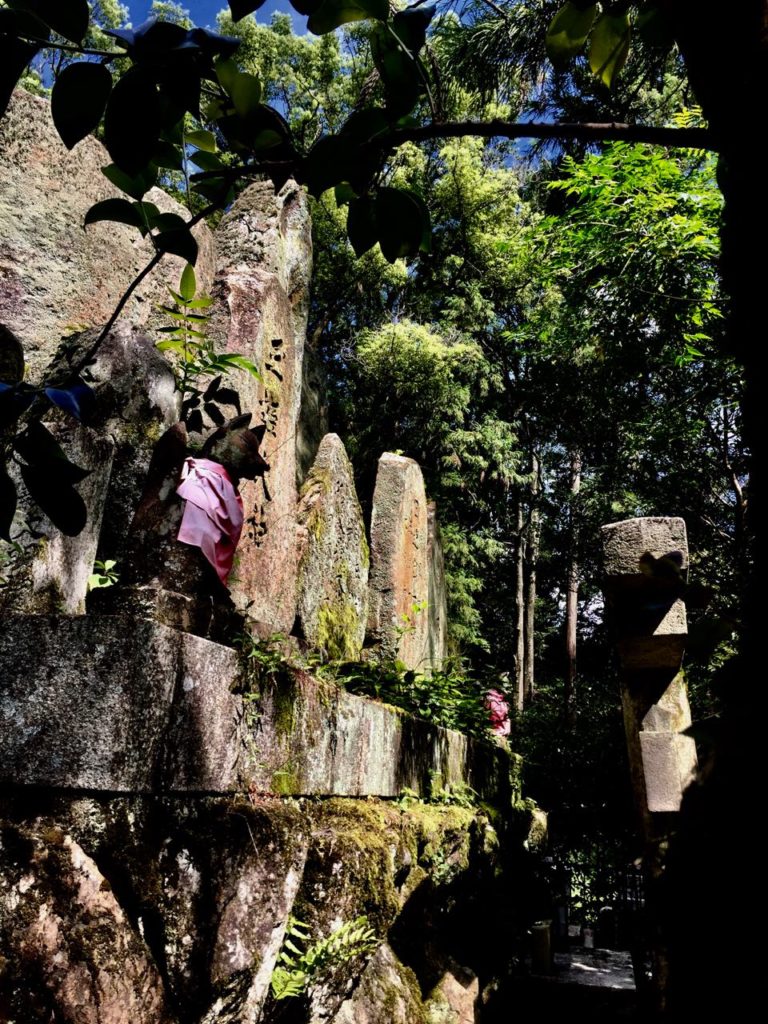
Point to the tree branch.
(695, 138)
(147, 270)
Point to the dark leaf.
(399, 223)
(331, 160)
(411, 27)
(240, 8)
(68, 18)
(214, 413)
(78, 100)
(14, 58)
(135, 186)
(11, 356)
(306, 7)
(361, 224)
(41, 450)
(132, 122)
(654, 29)
(333, 13)
(119, 210)
(14, 400)
(152, 42)
(179, 242)
(76, 398)
(363, 125)
(167, 222)
(401, 72)
(7, 503)
(168, 156)
(61, 503)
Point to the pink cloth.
(213, 513)
(499, 712)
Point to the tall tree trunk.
(572, 590)
(532, 555)
(520, 608)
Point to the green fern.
(296, 967)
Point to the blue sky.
(203, 12)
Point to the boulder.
(333, 572)
(55, 277)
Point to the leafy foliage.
(195, 358)
(300, 961)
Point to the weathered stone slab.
(135, 399)
(55, 277)
(333, 572)
(398, 620)
(626, 541)
(157, 713)
(669, 765)
(262, 294)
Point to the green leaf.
(78, 100)
(11, 356)
(245, 93)
(240, 8)
(179, 242)
(333, 13)
(203, 139)
(568, 31)
(68, 18)
(119, 210)
(133, 121)
(188, 283)
(361, 225)
(226, 72)
(609, 46)
(206, 161)
(135, 186)
(62, 504)
(7, 503)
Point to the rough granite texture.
(333, 571)
(398, 618)
(158, 711)
(56, 277)
(261, 292)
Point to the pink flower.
(498, 710)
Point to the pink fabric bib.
(213, 513)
